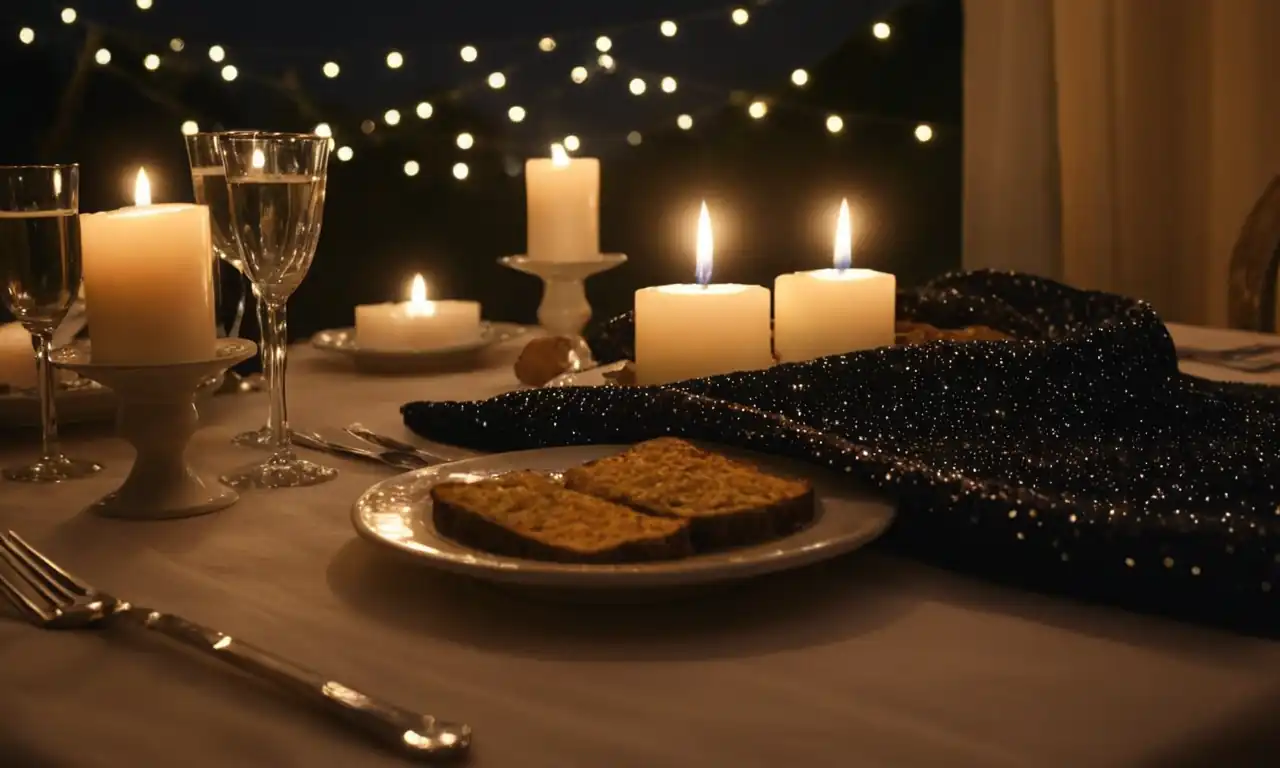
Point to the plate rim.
(485, 566)
(491, 333)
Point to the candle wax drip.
(1074, 457)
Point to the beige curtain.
(1119, 144)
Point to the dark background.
(773, 185)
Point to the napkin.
(1074, 457)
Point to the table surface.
(868, 660)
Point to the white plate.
(78, 401)
(396, 513)
(343, 341)
(592, 377)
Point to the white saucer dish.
(342, 341)
(396, 514)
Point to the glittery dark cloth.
(1073, 458)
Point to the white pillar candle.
(17, 357)
(563, 207)
(690, 331)
(833, 311)
(148, 282)
(417, 325)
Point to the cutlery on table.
(402, 460)
(54, 599)
(361, 432)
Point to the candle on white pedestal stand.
(690, 331)
(832, 311)
(148, 282)
(563, 206)
(417, 325)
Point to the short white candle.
(148, 282)
(563, 207)
(17, 357)
(417, 325)
(833, 311)
(691, 331)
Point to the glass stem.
(264, 323)
(46, 373)
(275, 336)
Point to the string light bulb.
(923, 133)
(345, 154)
(668, 85)
(881, 30)
(391, 117)
(685, 122)
(230, 73)
(331, 69)
(800, 78)
(411, 168)
(740, 16)
(367, 127)
(547, 44)
(461, 171)
(27, 35)
(668, 28)
(469, 53)
(496, 80)
(69, 15)
(395, 60)
(603, 44)
(571, 143)
(634, 138)
(606, 62)
(835, 123)
(177, 44)
(424, 110)
(758, 109)
(190, 128)
(578, 75)
(151, 62)
(102, 56)
(516, 114)
(217, 53)
(323, 130)
(144, 5)
(466, 140)
(636, 86)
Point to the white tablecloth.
(867, 661)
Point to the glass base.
(258, 438)
(53, 469)
(279, 472)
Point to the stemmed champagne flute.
(276, 187)
(209, 180)
(40, 278)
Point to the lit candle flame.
(844, 238)
(705, 247)
(259, 160)
(418, 304)
(559, 157)
(142, 189)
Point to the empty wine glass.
(209, 180)
(40, 275)
(276, 187)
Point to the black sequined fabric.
(1074, 457)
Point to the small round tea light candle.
(417, 325)
(832, 311)
(17, 358)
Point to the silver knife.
(361, 432)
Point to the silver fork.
(57, 600)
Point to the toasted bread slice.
(526, 514)
(727, 503)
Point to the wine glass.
(276, 187)
(40, 275)
(209, 180)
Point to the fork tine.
(79, 586)
(25, 574)
(25, 605)
(31, 571)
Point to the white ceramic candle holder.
(157, 415)
(564, 310)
